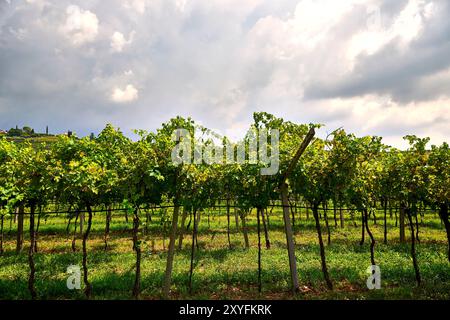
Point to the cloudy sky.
(378, 67)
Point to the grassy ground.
(221, 273)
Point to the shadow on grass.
(221, 284)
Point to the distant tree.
(15, 132)
(27, 130)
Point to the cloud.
(372, 66)
(406, 27)
(129, 94)
(396, 60)
(138, 5)
(118, 41)
(81, 26)
(181, 5)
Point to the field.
(224, 273)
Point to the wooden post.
(402, 224)
(182, 229)
(20, 216)
(173, 234)
(289, 237)
(171, 252)
(236, 217)
(285, 202)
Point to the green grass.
(221, 273)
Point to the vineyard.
(139, 225)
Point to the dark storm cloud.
(395, 71)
